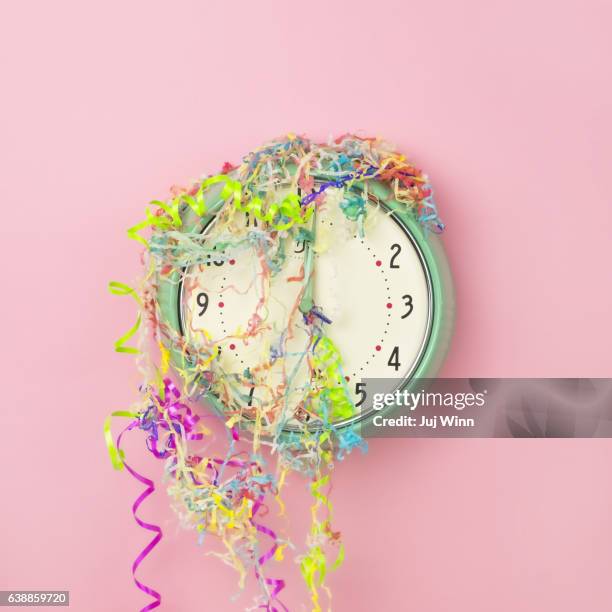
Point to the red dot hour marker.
(378, 263)
(378, 347)
(232, 347)
(389, 305)
(347, 378)
(232, 262)
(221, 304)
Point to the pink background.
(506, 104)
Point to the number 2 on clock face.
(375, 290)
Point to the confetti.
(301, 426)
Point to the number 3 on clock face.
(386, 295)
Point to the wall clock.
(378, 284)
(273, 292)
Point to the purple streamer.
(148, 526)
(277, 584)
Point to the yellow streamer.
(313, 565)
(196, 202)
(120, 289)
(116, 455)
(290, 208)
(328, 361)
(277, 497)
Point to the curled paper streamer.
(151, 545)
(314, 564)
(117, 457)
(120, 345)
(277, 584)
(173, 219)
(281, 216)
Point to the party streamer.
(300, 424)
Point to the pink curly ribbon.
(277, 584)
(179, 414)
(156, 529)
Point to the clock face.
(371, 296)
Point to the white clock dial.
(371, 296)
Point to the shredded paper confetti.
(303, 406)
